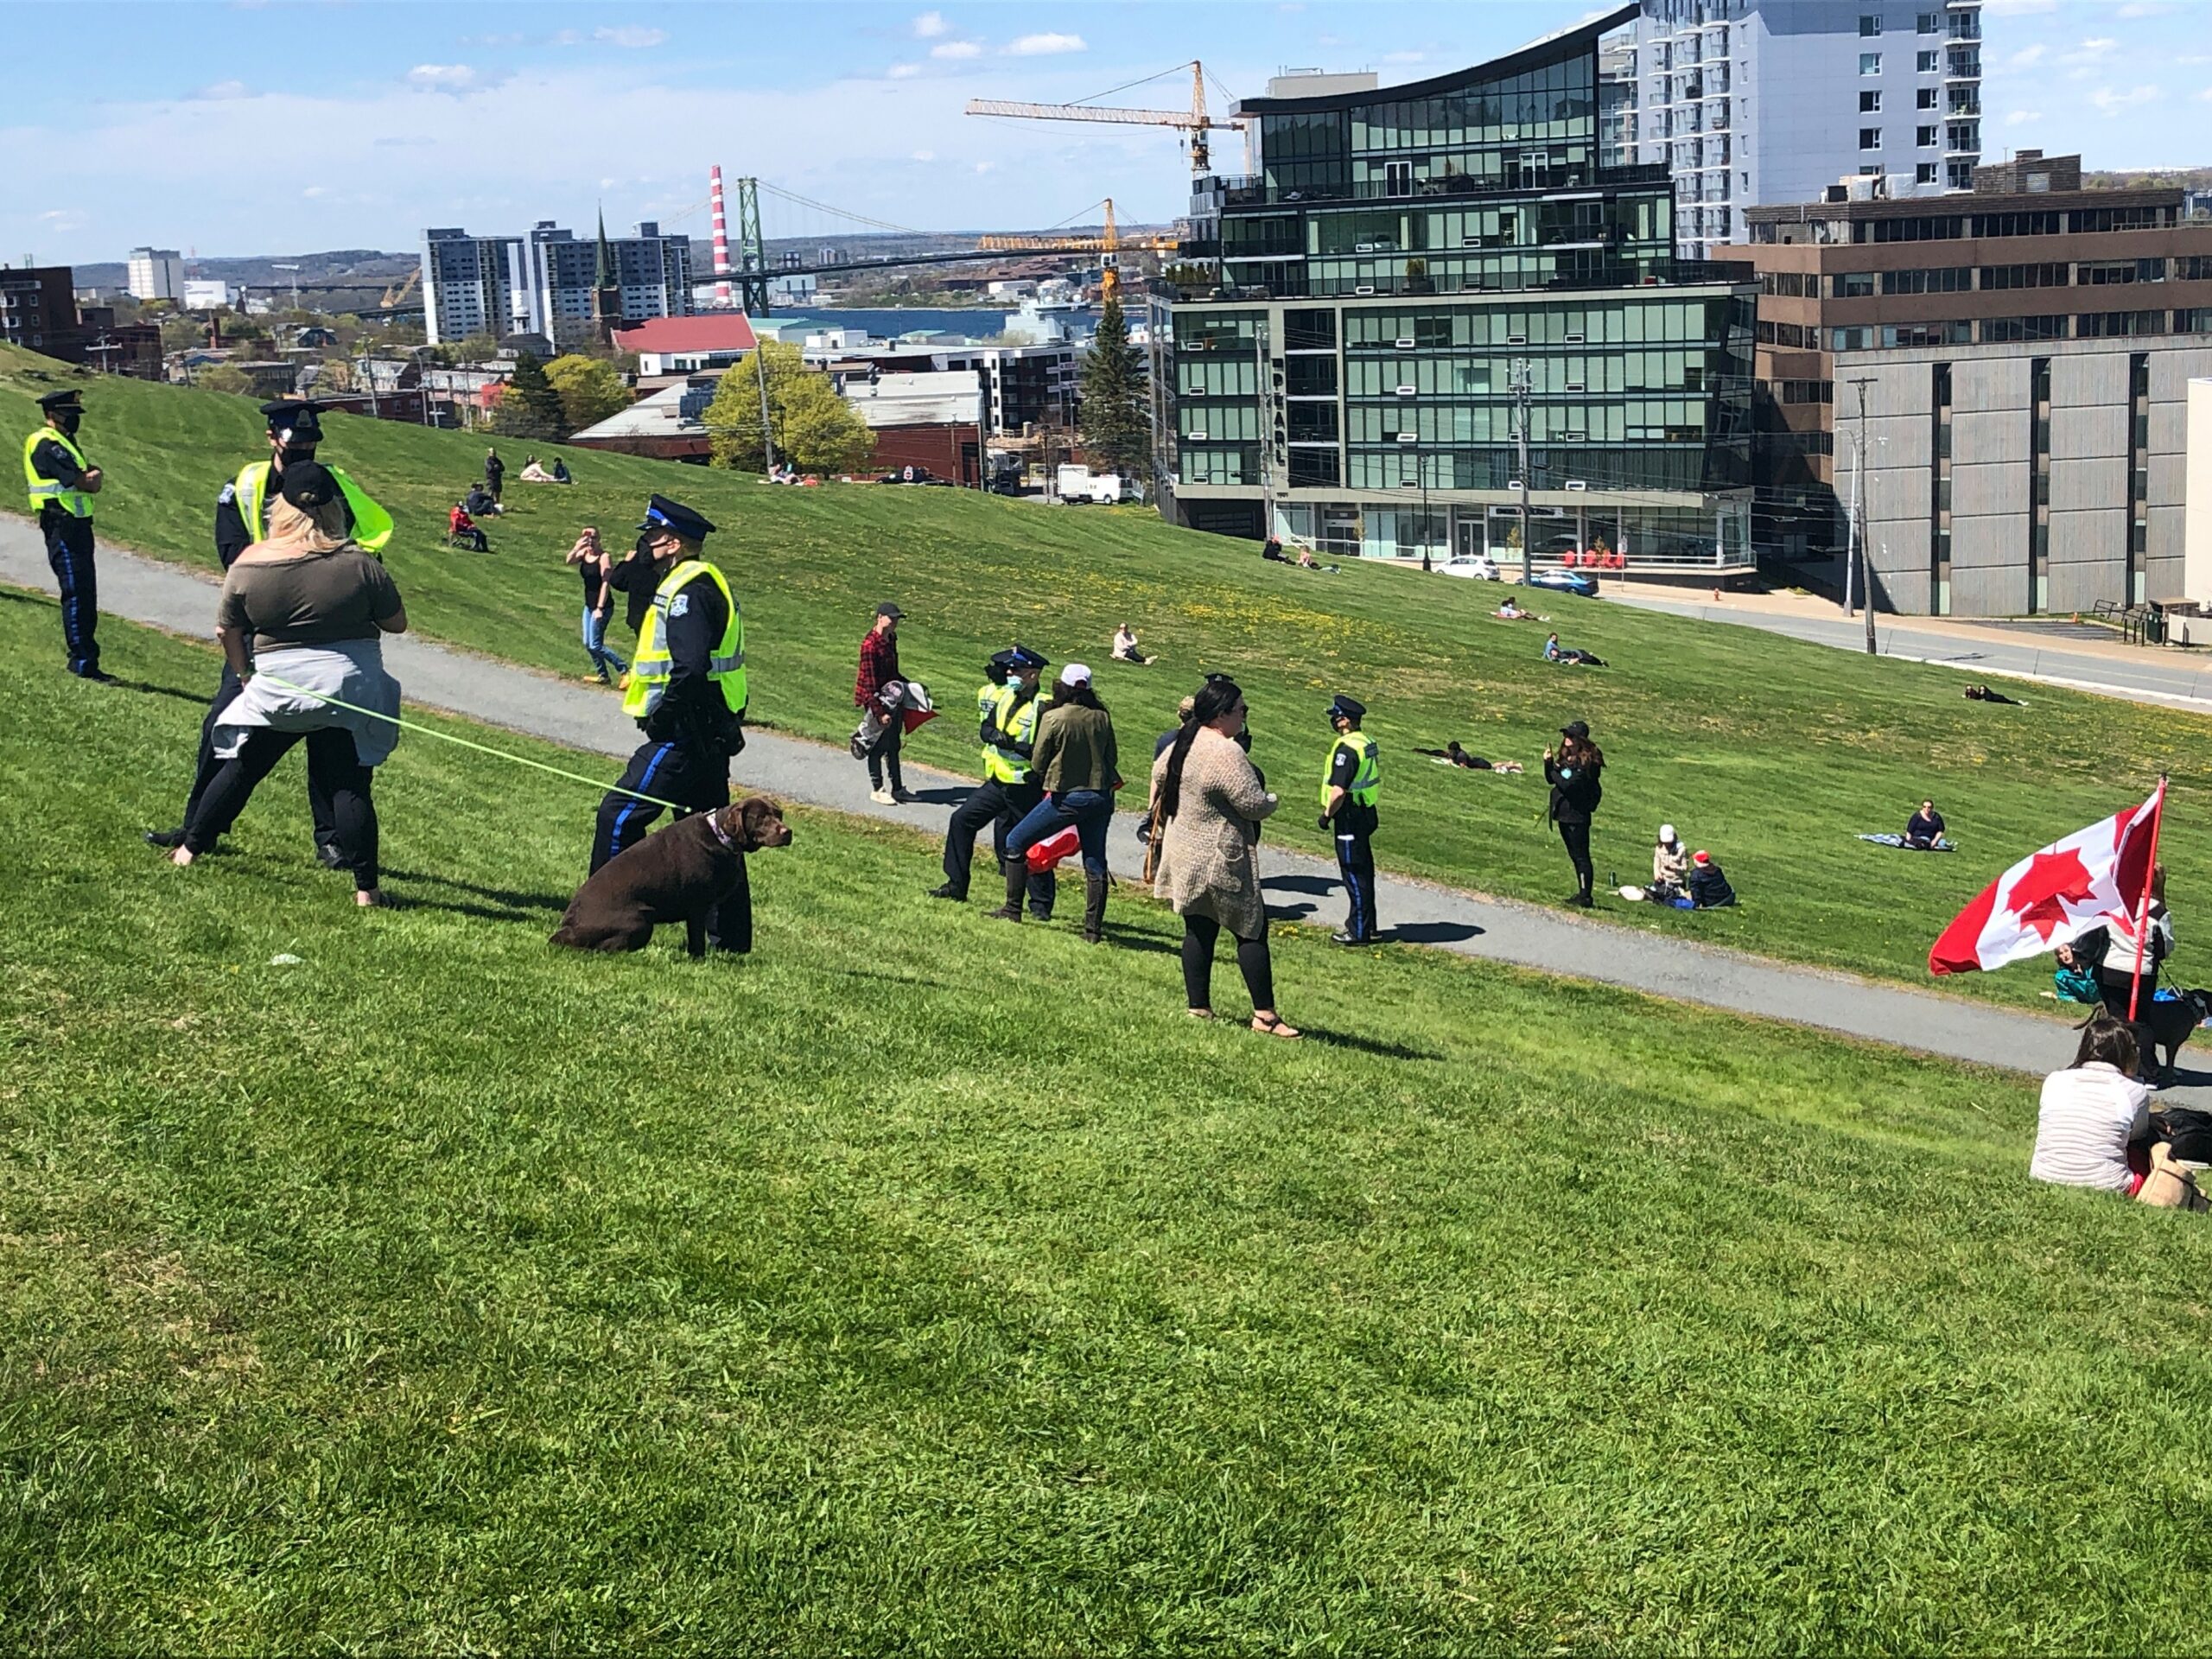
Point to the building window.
(1927, 98)
(1870, 103)
(1924, 173)
(1870, 25)
(1961, 175)
(1930, 22)
(1870, 63)
(1870, 138)
(1927, 64)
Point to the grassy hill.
(895, 1289)
(1770, 753)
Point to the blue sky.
(272, 128)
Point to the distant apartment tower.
(38, 310)
(651, 273)
(473, 285)
(1751, 103)
(155, 274)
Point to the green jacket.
(1075, 750)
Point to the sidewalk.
(1300, 888)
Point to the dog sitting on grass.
(678, 874)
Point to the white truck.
(1076, 485)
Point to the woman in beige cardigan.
(1210, 801)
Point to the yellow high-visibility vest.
(1366, 781)
(372, 524)
(1001, 764)
(651, 668)
(78, 504)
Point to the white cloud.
(2027, 57)
(443, 77)
(983, 167)
(62, 219)
(2091, 51)
(314, 190)
(223, 89)
(925, 155)
(2136, 9)
(631, 37)
(929, 25)
(1405, 57)
(953, 49)
(2111, 101)
(904, 70)
(2022, 117)
(2018, 7)
(1043, 45)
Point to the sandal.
(1271, 1024)
(1199, 1014)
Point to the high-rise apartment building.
(650, 272)
(154, 274)
(473, 285)
(1420, 278)
(1750, 103)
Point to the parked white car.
(1475, 567)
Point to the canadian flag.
(2053, 897)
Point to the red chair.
(1569, 559)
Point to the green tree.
(528, 407)
(1116, 416)
(223, 377)
(589, 390)
(814, 428)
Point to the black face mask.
(645, 546)
(69, 420)
(286, 455)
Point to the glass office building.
(1413, 274)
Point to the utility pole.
(1267, 428)
(1521, 433)
(1858, 553)
(760, 375)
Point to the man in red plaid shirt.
(878, 668)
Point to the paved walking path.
(2139, 674)
(1299, 887)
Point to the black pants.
(69, 553)
(336, 768)
(1200, 934)
(883, 756)
(1001, 806)
(1577, 837)
(206, 767)
(696, 781)
(1356, 863)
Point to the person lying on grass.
(1452, 754)
(1555, 652)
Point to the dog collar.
(713, 823)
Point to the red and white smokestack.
(721, 237)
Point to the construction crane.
(397, 293)
(1194, 121)
(1108, 247)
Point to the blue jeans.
(595, 644)
(1091, 811)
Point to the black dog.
(678, 874)
(2167, 1025)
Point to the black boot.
(166, 837)
(1017, 882)
(1095, 888)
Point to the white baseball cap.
(1666, 834)
(1076, 674)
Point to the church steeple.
(603, 275)
(605, 290)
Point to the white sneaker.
(882, 797)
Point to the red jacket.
(879, 663)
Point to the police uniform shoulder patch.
(679, 605)
(230, 494)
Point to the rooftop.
(720, 331)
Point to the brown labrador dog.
(678, 874)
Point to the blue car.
(1565, 582)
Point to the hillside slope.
(1770, 753)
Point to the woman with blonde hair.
(300, 621)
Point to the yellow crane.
(1108, 247)
(397, 293)
(1194, 121)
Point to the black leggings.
(884, 756)
(1200, 934)
(1577, 837)
(339, 776)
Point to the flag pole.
(2143, 909)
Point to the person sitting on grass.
(2075, 978)
(463, 531)
(1670, 867)
(1125, 646)
(1555, 652)
(1507, 611)
(2093, 1126)
(480, 503)
(1924, 827)
(1709, 888)
(560, 472)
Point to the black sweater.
(1575, 791)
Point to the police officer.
(1350, 784)
(241, 519)
(62, 484)
(1008, 730)
(687, 691)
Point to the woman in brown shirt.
(300, 621)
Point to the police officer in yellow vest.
(1008, 730)
(1350, 786)
(62, 484)
(242, 519)
(687, 692)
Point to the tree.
(1117, 416)
(814, 428)
(528, 407)
(589, 390)
(223, 377)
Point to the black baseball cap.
(293, 423)
(890, 610)
(1577, 729)
(661, 513)
(308, 485)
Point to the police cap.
(308, 485)
(54, 401)
(293, 423)
(1022, 658)
(661, 513)
(1344, 708)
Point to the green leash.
(470, 743)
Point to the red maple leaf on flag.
(2050, 878)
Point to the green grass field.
(919, 1285)
(1770, 753)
